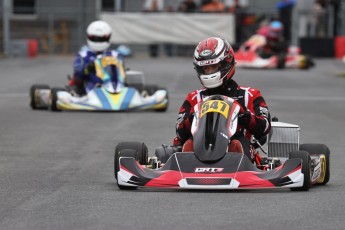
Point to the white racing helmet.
(98, 36)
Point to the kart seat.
(234, 146)
(188, 146)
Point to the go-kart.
(248, 56)
(120, 90)
(212, 160)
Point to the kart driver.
(98, 41)
(275, 42)
(215, 65)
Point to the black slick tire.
(33, 88)
(137, 150)
(319, 149)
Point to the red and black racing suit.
(258, 125)
(274, 47)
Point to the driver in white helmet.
(98, 41)
(215, 63)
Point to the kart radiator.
(284, 138)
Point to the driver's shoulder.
(251, 91)
(194, 95)
(112, 53)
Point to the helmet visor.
(98, 38)
(208, 66)
(210, 69)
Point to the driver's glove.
(90, 68)
(245, 119)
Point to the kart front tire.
(319, 149)
(306, 168)
(33, 101)
(137, 150)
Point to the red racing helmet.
(216, 54)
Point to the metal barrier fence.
(56, 30)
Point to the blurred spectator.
(319, 19)
(337, 17)
(213, 6)
(153, 6)
(240, 15)
(187, 6)
(168, 47)
(285, 8)
(325, 18)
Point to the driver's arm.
(261, 116)
(79, 65)
(185, 119)
(256, 120)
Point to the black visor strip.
(98, 39)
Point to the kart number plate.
(215, 106)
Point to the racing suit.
(274, 46)
(84, 77)
(256, 120)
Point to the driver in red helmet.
(215, 65)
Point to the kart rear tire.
(281, 61)
(164, 152)
(33, 102)
(136, 81)
(140, 154)
(53, 99)
(306, 168)
(319, 149)
(308, 62)
(150, 89)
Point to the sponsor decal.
(208, 170)
(264, 111)
(205, 53)
(207, 62)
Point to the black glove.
(245, 118)
(90, 68)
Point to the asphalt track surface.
(56, 169)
